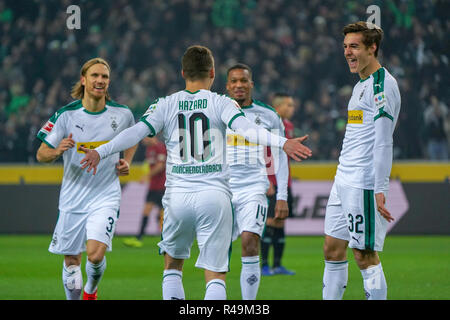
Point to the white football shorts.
(74, 229)
(351, 215)
(205, 215)
(250, 213)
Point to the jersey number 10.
(194, 136)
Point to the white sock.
(94, 274)
(335, 278)
(72, 281)
(172, 285)
(216, 290)
(250, 277)
(375, 285)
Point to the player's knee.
(250, 244)
(333, 251)
(72, 260)
(96, 258)
(365, 258)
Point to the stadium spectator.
(136, 38)
(437, 129)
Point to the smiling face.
(240, 86)
(359, 57)
(96, 81)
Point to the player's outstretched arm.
(256, 134)
(124, 140)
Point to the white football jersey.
(81, 191)
(193, 126)
(372, 98)
(248, 170)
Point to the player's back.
(193, 126)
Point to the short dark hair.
(281, 95)
(278, 98)
(371, 33)
(240, 66)
(196, 63)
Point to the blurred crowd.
(292, 46)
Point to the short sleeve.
(230, 111)
(53, 131)
(154, 117)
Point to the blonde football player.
(88, 206)
(197, 200)
(356, 215)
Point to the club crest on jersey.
(48, 127)
(258, 120)
(114, 124)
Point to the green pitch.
(416, 268)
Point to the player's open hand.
(90, 160)
(295, 149)
(381, 200)
(65, 144)
(122, 168)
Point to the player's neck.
(373, 66)
(194, 86)
(93, 105)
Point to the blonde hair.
(78, 89)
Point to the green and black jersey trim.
(152, 130)
(234, 117)
(378, 81)
(112, 103)
(262, 104)
(378, 87)
(230, 249)
(369, 219)
(74, 105)
(144, 120)
(382, 113)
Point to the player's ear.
(182, 74)
(373, 48)
(212, 73)
(83, 80)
